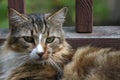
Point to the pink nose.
(40, 54)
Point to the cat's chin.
(38, 59)
(39, 62)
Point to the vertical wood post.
(18, 5)
(84, 20)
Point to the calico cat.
(36, 49)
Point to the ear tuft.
(59, 16)
(16, 17)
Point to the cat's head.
(40, 36)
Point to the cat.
(36, 49)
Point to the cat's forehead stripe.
(39, 23)
(45, 26)
(35, 27)
(40, 37)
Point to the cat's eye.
(50, 39)
(28, 39)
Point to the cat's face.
(38, 35)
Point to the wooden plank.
(96, 42)
(84, 21)
(98, 32)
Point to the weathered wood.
(96, 42)
(99, 32)
(18, 5)
(84, 21)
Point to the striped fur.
(90, 63)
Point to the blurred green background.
(103, 10)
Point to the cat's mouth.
(40, 59)
(38, 56)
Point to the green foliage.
(3, 13)
(100, 10)
(42, 6)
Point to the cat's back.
(91, 63)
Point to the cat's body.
(90, 63)
(37, 50)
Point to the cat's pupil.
(50, 39)
(28, 39)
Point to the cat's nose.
(39, 50)
(40, 54)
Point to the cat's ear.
(16, 17)
(59, 16)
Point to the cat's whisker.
(21, 61)
(55, 62)
(22, 57)
(62, 59)
(66, 60)
(5, 58)
(8, 57)
(43, 62)
(58, 67)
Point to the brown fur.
(94, 64)
(34, 72)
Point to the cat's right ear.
(58, 17)
(16, 18)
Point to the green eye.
(28, 39)
(50, 39)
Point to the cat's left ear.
(16, 17)
(59, 16)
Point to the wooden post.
(84, 21)
(18, 5)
